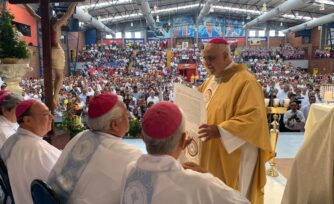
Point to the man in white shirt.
(158, 177)
(26, 154)
(152, 98)
(90, 167)
(283, 93)
(8, 124)
(294, 119)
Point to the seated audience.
(158, 177)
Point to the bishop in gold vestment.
(235, 111)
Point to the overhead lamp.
(157, 20)
(169, 23)
(248, 17)
(131, 24)
(281, 24)
(264, 7)
(211, 9)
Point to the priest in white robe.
(90, 167)
(159, 178)
(26, 155)
(8, 124)
(312, 174)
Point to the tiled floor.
(287, 147)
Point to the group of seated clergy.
(96, 166)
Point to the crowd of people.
(285, 52)
(105, 56)
(108, 93)
(149, 81)
(322, 54)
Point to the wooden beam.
(46, 42)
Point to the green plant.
(11, 46)
(72, 123)
(135, 127)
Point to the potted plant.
(135, 128)
(12, 48)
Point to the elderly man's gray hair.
(9, 102)
(102, 123)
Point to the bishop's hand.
(207, 132)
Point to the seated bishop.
(159, 178)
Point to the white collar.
(22, 131)
(230, 65)
(158, 163)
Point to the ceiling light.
(248, 17)
(211, 9)
(169, 23)
(281, 24)
(131, 24)
(157, 20)
(264, 7)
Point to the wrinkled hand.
(207, 132)
(195, 167)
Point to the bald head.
(216, 58)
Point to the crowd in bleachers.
(323, 54)
(112, 56)
(150, 58)
(285, 52)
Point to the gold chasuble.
(238, 106)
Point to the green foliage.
(135, 127)
(71, 122)
(11, 46)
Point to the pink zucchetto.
(101, 104)
(3, 92)
(162, 120)
(22, 107)
(218, 41)
(3, 96)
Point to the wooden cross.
(46, 42)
